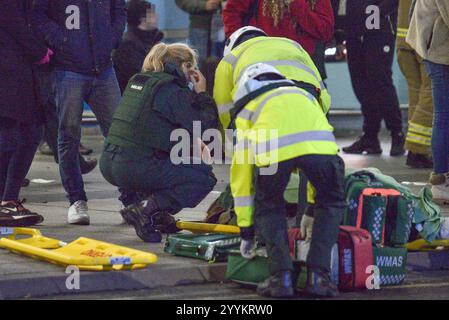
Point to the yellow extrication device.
(86, 254)
(423, 245)
(197, 227)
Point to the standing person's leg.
(21, 143)
(369, 142)
(271, 223)
(28, 137)
(8, 142)
(51, 136)
(439, 74)
(419, 135)
(380, 51)
(326, 173)
(70, 92)
(104, 97)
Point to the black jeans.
(326, 173)
(370, 61)
(18, 144)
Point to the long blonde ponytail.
(162, 53)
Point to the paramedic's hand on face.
(248, 244)
(205, 151)
(306, 227)
(198, 80)
(212, 5)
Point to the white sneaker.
(78, 213)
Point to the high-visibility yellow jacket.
(279, 125)
(284, 54)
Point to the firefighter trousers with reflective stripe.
(420, 114)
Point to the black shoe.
(25, 183)
(164, 222)
(85, 151)
(277, 286)
(419, 161)
(320, 285)
(45, 149)
(364, 145)
(88, 165)
(14, 214)
(397, 144)
(134, 215)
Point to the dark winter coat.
(85, 48)
(19, 51)
(130, 55)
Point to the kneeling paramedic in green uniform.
(169, 95)
(281, 127)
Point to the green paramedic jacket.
(153, 106)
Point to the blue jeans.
(199, 40)
(18, 144)
(102, 93)
(439, 74)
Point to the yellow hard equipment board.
(423, 245)
(197, 227)
(86, 254)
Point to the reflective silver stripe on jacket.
(247, 201)
(225, 108)
(292, 139)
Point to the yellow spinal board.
(85, 253)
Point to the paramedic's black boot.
(365, 144)
(136, 215)
(397, 144)
(419, 161)
(320, 285)
(164, 222)
(277, 286)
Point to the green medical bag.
(208, 247)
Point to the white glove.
(248, 249)
(306, 227)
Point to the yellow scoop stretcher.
(423, 245)
(84, 253)
(197, 227)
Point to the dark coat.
(130, 55)
(87, 49)
(354, 24)
(19, 51)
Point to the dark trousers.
(174, 187)
(370, 61)
(326, 173)
(18, 144)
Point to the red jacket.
(312, 26)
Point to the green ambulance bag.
(208, 247)
(399, 215)
(247, 272)
(391, 263)
(373, 217)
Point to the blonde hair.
(277, 8)
(162, 53)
